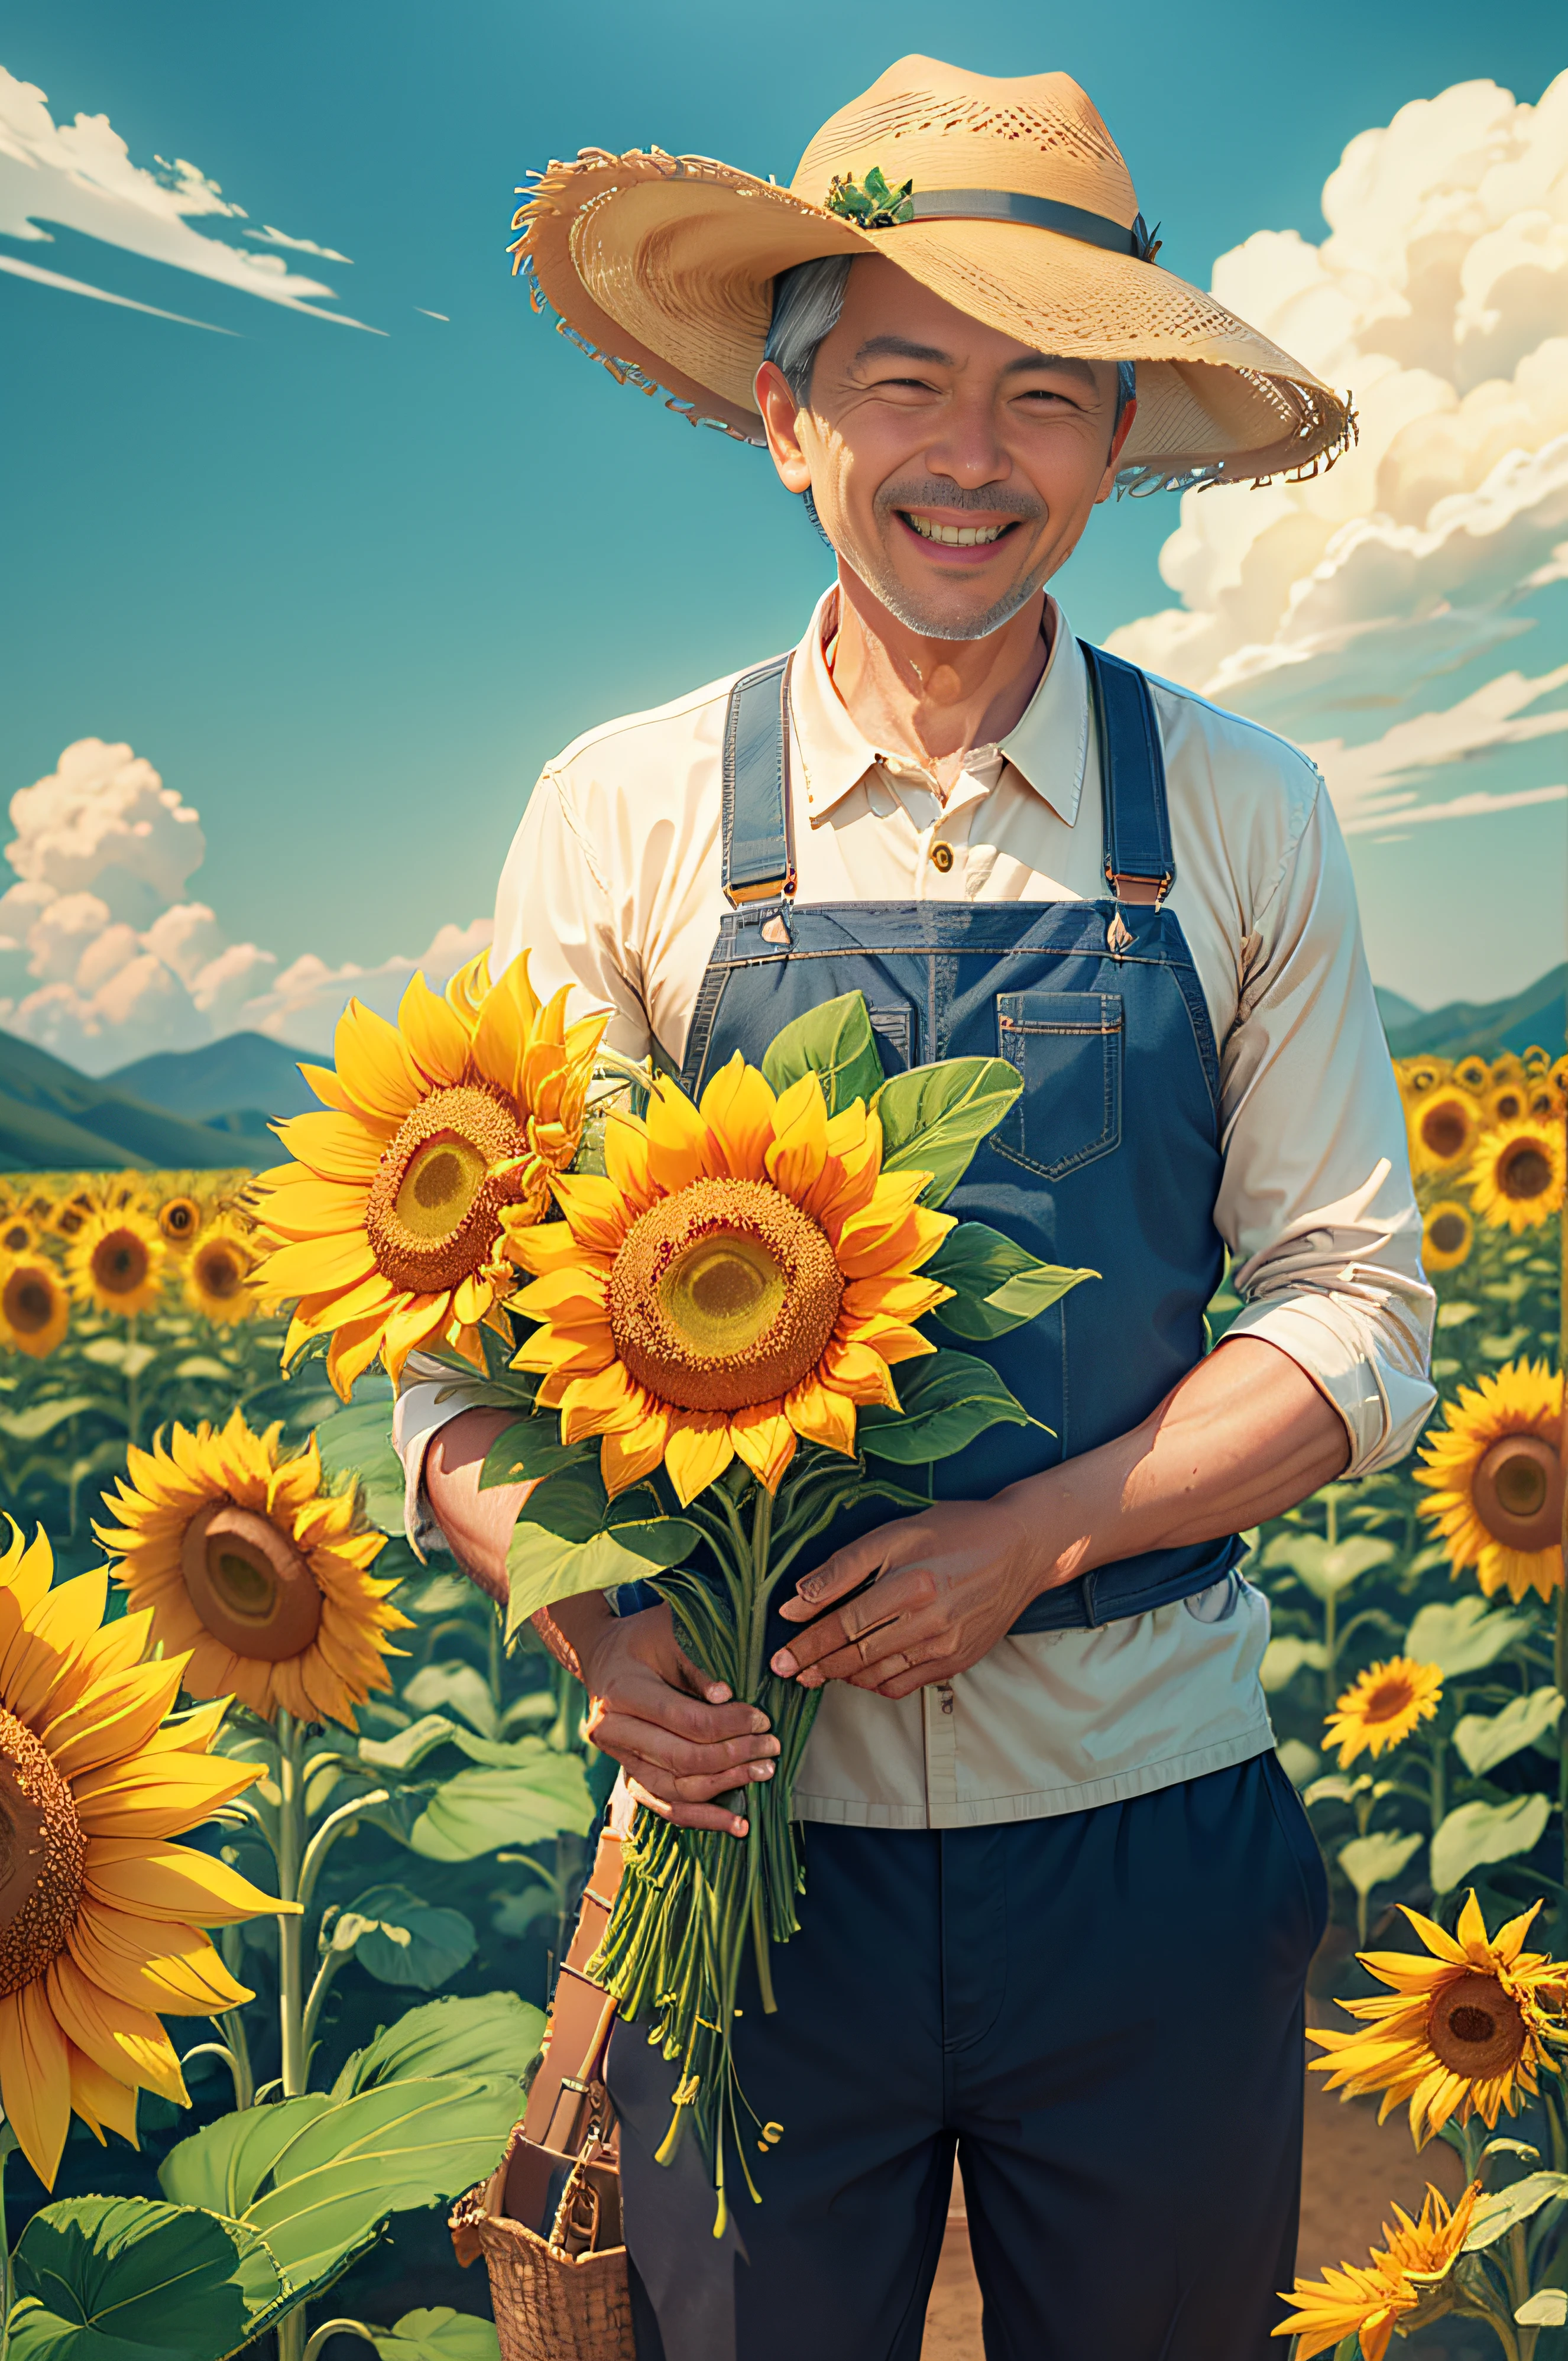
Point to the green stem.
(335, 1825)
(319, 1990)
(291, 1923)
(133, 1387)
(337, 2328)
(7, 2142)
(1439, 1804)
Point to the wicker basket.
(550, 2305)
(559, 2289)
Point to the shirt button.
(942, 857)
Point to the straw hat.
(1007, 198)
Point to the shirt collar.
(1048, 747)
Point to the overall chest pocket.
(1068, 1047)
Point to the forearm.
(1243, 1437)
(478, 1526)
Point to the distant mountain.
(242, 1082)
(52, 1118)
(1394, 1008)
(1538, 1015)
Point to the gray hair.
(807, 304)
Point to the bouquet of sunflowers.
(699, 1336)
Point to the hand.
(679, 1737)
(949, 1583)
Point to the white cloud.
(103, 960)
(1348, 609)
(81, 177)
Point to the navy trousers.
(1100, 2015)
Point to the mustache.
(941, 492)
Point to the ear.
(1124, 428)
(779, 411)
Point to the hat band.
(1039, 213)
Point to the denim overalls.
(1071, 2002)
(1110, 1159)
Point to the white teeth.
(956, 536)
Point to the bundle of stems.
(693, 1901)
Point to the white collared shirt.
(613, 883)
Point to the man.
(1060, 1897)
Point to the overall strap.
(757, 827)
(1138, 862)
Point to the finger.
(915, 1636)
(877, 1675)
(698, 1682)
(690, 1816)
(878, 1608)
(844, 1571)
(645, 1696)
(699, 1787)
(621, 1734)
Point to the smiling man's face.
(953, 470)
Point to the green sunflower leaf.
(493, 2033)
(358, 1441)
(531, 1448)
(1505, 2207)
(934, 1117)
(438, 2334)
(836, 1043)
(949, 1399)
(318, 2178)
(1485, 1739)
(1476, 1832)
(400, 1939)
(996, 1285)
(1463, 1638)
(135, 2279)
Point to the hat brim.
(663, 267)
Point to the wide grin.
(955, 537)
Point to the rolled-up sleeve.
(1316, 1204)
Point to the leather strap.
(758, 825)
(1139, 864)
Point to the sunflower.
(17, 1235)
(217, 1275)
(99, 1911)
(1473, 1075)
(743, 1275)
(179, 1219)
(249, 1563)
(1447, 1234)
(1461, 2032)
(115, 1262)
(1369, 2299)
(1444, 1127)
(1382, 1708)
(1516, 1173)
(35, 1310)
(1496, 1479)
(440, 1139)
(1558, 1078)
(1417, 1076)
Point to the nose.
(967, 447)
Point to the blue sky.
(348, 590)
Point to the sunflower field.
(293, 1826)
(383, 1833)
(1416, 1678)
